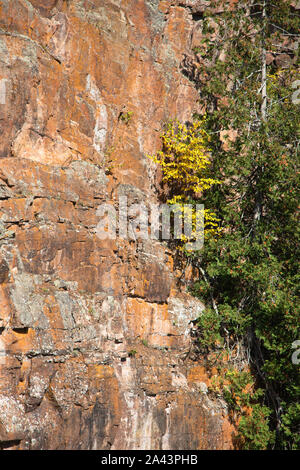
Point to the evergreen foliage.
(248, 275)
(251, 271)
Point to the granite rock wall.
(94, 334)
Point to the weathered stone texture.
(94, 334)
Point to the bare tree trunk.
(258, 205)
(264, 67)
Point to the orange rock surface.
(94, 334)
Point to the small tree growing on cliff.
(185, 160)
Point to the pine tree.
(245, 75)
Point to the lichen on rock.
(74, 306)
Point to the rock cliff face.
(94, 334)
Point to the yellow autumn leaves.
(184, 159)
